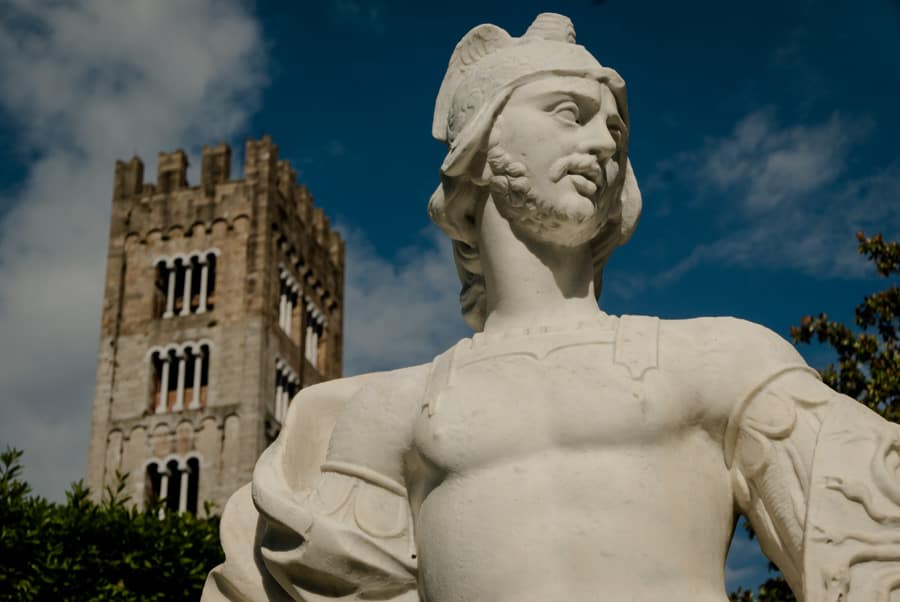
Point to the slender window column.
(163, 385)
(289, 313)
(282, 309)
(164, 484)
(186, 301)
(280, 404)
(198, 374)
(163, 490)
(183, 490)
(170, 294)
(204, 285)
(179, 391)
(278, 397)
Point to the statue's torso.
(558, 473)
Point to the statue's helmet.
(485, 68)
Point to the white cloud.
(399, 313)
(781, 197)
(768, 166)
(86, 83)
(814, 236)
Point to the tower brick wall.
(221, 301)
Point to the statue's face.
(556, 150)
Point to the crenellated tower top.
(271, 177)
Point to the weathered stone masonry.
(221, 301)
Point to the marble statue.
(561, 453)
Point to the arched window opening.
(196, 276)
(180, 378)
(160, 288)
(314, 340)
(165, 381)
(176, 484)
(208, 301)
(152, 482)
(193, 484)
(287, 384)
(174, 489)
(185, 285)
(181, 268)
(288, 302)
(204, 375)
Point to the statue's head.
(537, 124)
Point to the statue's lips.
(582, 184)
(585, 173)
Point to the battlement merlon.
(129, 178)
(261, 161)
(171, 171)
(215, 167)
(336, 248)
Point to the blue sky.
(763, 135)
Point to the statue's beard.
(518, 201)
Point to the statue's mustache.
(578, 163)
(587, 165)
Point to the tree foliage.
(868, 364)
(82, 550)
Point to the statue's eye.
(616, 128)
(567, 111)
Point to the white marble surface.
(561, 453)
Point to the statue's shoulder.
(402, 382)
(726, 339)
(362, 420)
(722, 358)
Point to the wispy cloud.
(766, 166)
(87, 83)
(780, 196)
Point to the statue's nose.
(597, 140)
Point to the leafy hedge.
(82, 550)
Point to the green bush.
(82, 550)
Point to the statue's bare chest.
(508, 401)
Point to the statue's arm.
(328, 526)
(815, 473)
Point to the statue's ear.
(631, 203)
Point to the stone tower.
(221, 301)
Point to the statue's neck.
(532, 283)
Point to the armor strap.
(636, 348)
(637, 344)
(439, 379)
